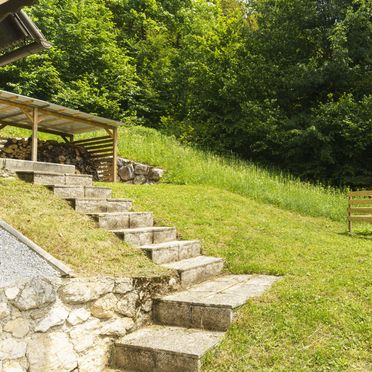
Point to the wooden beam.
(115, 156)
(110, 133)
(35, 122)
(29, 127)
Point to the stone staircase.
(187, 323)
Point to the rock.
(83, 335)
(84, 290)
(12, 349)
(127, 305)
(56, 316)
(52, 352)
(4, 310)
(104, 307)
(140, 169)
(95, 359)
(78, 316)
(18, 327)
(38, 292)
(139, 180)
(117, 327)
(11, 293)
(147, 306)
(19, 365)
(155, 174)
(123, 285)
(126, 172)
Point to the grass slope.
(187, 165)
(73, 238)
(316, 318)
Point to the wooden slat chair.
(360, 207)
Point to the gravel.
(17, 261)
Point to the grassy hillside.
(73, 238)
(316, 318)
(189, 166)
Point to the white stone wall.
(71, 324)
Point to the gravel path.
(18, 261)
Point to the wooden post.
(349, 226)
(115, 155)
(35, 122)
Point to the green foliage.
(279, 82)
(85, 69)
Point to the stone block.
(78, 180)
(117, 327)
(78, 316)
(18, 327)
(55, 317)
(12, 349)
(155, 174)
(141, 169)
(126, 172)
(36, 293)
(79, 291)
(97, 192)
(127, 305)
(104, 307)
(52, 352)
(123, 285)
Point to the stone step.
(210, 305)
(79, 192)
(163, 349)
(197, 269)
(124, 220)
(147, 235)
(172, 251)
(52, 178)
(91, 206)
(15, 165)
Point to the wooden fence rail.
(359, 208)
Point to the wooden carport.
(41, 116)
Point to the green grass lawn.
(69, 236)
(317, 317)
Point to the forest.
(283, 83)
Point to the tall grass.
(187, 165)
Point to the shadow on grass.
(362, 234)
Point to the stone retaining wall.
(70, 324)
(132, 172)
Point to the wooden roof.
(17, 110)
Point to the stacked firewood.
(51, 152)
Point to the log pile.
(51, 152)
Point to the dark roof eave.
(13, 6)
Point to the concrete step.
(52, 178)
(79, 192)
(210, 305)
(15, 165)
(163, 349)
(197, 269)
(124, 220)
(172, 251)
(91, 206)
(147, 235)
